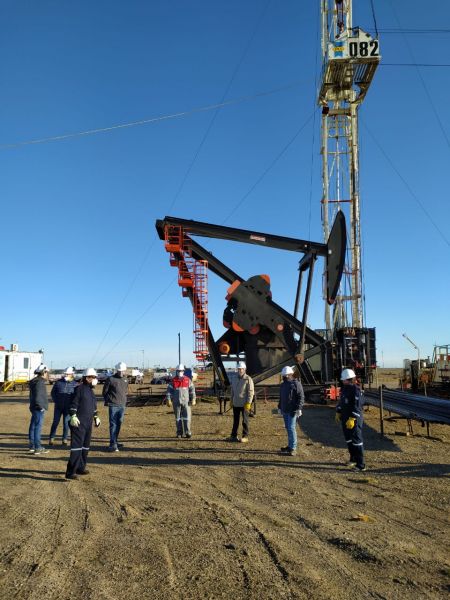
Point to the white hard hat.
(90, 372)
(241, 365)
(41, 369)
(348, 374)
(180, 367)
(69, 371)
(287, 371)
(121, 366)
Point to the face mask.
(94, 382)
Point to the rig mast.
(350, 57)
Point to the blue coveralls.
(84, 405)
(351, 405)
(62, 394)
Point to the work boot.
(51, 441)
(113, 449)
(65, 442)
(244, 440)
(71, 476)
(31, 450)
(179, 436)
(285, 449)
(292, 452)
(85, 472)
(350, 463)
(189, 435)
(359, 469)
(41, 451)
(232, 438)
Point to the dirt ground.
(203, 518)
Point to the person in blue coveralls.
(349, 412)
(62, 394)
(83, 413)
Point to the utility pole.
(350, 57)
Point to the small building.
(17, 366)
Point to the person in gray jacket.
(242, 393)
(115, 391)
(38, 406)
(181, 394)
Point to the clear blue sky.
(78, 214)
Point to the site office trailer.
(18, 366)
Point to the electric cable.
(430, 100)
(185, 113)
(139, 319)
(217, 110)
(189, 169)
(374, 18)
(267, 169)
(408, 187)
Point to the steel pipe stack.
(411, 406)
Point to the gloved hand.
(247, 406)
(279, 411)
(97, 421)
(350, 423)
(337, 418)
(74, 421)
(194, 402)
(298, 413)
(169, 402)
(42, 410)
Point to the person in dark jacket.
(62, 393)
(115, 392)
(349, 412)
(38, 406)
(83, 412)
(290, 406)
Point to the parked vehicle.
(78, 375)
(55, 374)
(135, 376)
(103, 374)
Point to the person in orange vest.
(181, 394)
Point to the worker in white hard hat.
(349, 412)
(62, 394)
(292, 398)
(38, 408)
(83, 413)
(115, 393)
(181, 394)
(242, 394)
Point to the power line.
(138, 320)
(383, 64)
(406, 184)
(271, 165)
(186, 113)
(190, 167)
(422, 81)
(224, 95)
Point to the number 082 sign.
(359, 46)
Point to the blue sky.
(78, 214)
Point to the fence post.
(380, 389)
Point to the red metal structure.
(193, 279)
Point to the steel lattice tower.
(350, 57)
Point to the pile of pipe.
(411, 406)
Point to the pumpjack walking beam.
(267, 310)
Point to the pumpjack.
(256, 327)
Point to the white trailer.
(17, 366)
